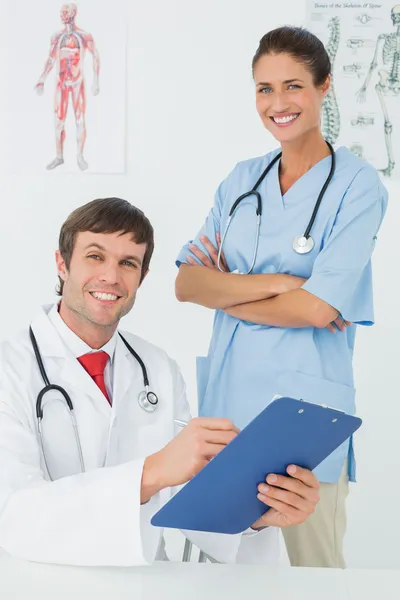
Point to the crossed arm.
(272, 299)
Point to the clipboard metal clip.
(277, 396)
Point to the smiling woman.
(298, 71)
(287, 325)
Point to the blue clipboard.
(222, 497)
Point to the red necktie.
(95, 363)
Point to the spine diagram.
(361, 111)
(330, 111)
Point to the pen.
(180, 423)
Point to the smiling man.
(80, 486)
(100, 269)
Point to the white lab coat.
(94, 518)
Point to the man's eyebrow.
(128, 257)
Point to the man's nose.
(109, 273)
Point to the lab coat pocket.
(317, 390)
(203, 374)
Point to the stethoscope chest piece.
(302, 244)
(148, 401)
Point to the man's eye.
(128, 263)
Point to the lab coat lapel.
(71, 371)
(124, 435)
(127, 372)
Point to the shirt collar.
(73, 342)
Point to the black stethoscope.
(302, 244)
(147, 399)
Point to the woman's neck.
(300, 155)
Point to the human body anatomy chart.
(67, 50)
(361, 111)
(67, 87)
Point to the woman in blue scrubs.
(288, 326)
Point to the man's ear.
(61, 266)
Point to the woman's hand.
(292, 499)
(338, 323)
(212, 262)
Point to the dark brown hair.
(299, 43)
(106, 215)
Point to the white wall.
(190, 119)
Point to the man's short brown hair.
(106, 215)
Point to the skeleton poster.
(361, 110)
(66, 92)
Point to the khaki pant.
(319, 541)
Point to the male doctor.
(58, 507)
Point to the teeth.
(284, 119)
(101, 296)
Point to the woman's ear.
(326, 86)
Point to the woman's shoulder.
(257, 162)
(357, 170)
(347, 163)
(360, 183)
(254, 166)
(350, 169)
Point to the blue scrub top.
(247, 364)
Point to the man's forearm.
(214, 289)
(294, 309)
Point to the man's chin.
(105, 320)
(105, 315)
(102, 317)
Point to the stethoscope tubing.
(254, 192)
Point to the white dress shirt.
(78, 347)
